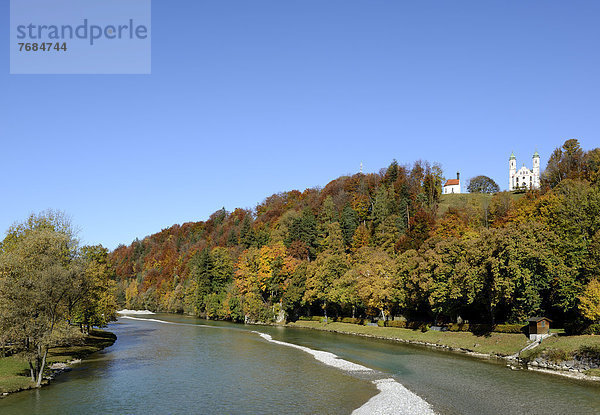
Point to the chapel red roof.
(452, 182)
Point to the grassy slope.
(502, 344)
(468, 199)
(564, 346)
(14, 372)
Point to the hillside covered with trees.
(375, 245)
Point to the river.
(169, 364)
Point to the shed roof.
(536, 319)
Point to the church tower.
(512, 171)
(536, 170)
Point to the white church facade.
(524, 177)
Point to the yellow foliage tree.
(131, 293)
(589, 301)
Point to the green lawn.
(14, 375)
(14, 371)
(502, 344)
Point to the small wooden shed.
(538, 327)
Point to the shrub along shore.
(577, 356)
(14, 370)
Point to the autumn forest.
(382, 245)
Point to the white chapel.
(524, 178)
(452, 185)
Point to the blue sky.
(249, 98)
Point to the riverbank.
(491, 345)
(14, 371)
(573, 356)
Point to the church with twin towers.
(524, 178)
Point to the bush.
(458, 327)
(509, 328)
(575, 327)
(381, 323)
(412, 325)
(592, 329)
(417, 325)
(396, 323)
(591, 352)
(487, 328)
(351, 320)
(314, 318)
(557, 355)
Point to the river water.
(168, 364)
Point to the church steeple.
(512, 171)
(536, 169)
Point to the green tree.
(444, 287)
(383, 206)
(328, 211)
(349, 223)
(375, 280)
(482, 184)
(334, 241)
(304, 229)
(566, 162)
(344, 291)
(247, 237)
(201, 273)
(573, 213)
(592, 165)
(361, 238)
(516, 271)
(94, 297)
(387, 234)
(292, 298)
(391, 174)
(221, 271)
(38, 271)
(432, 184)
(321, 275)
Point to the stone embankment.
(573, 365)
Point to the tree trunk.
(41, 369)
(32, 372)
(492, 310)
